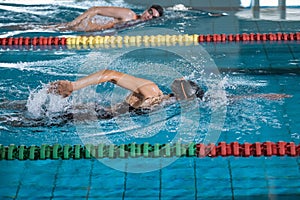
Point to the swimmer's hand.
(273, 96)
(263, 96)
(63, 88)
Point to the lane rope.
(147, 40)
(134, 150)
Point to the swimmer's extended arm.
(269, 96)
(272, 96)
(124, 80)
(134, 84)
(121, 14)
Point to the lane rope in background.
(133, 150)
(153, 40)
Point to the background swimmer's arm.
(122, 14)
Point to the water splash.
(41, 103)
(179, 7)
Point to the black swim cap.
(184, 89)
(159, 9)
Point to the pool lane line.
(121, 41)
(146, 150)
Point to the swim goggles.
(150, 11)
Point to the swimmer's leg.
(13, 105)
(57, 27)
(20, 27)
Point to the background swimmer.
(100, 18)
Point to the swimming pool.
(234, 68)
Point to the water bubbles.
(295, 136)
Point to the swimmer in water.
(101, 18)
(145, 96)
(145, 93)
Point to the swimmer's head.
(159, 9)
(183, 89)
(154, 11)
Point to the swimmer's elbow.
(93, 9)
(96, 10)
(130, 16)
(108, 75)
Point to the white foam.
(180, 7)
(40, 103)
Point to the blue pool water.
(234, 69)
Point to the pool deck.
(263, 20)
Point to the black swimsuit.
(122, 108)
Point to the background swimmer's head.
(159, 9)
(183, 89)
(154, 11)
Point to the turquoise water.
(237, 69)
